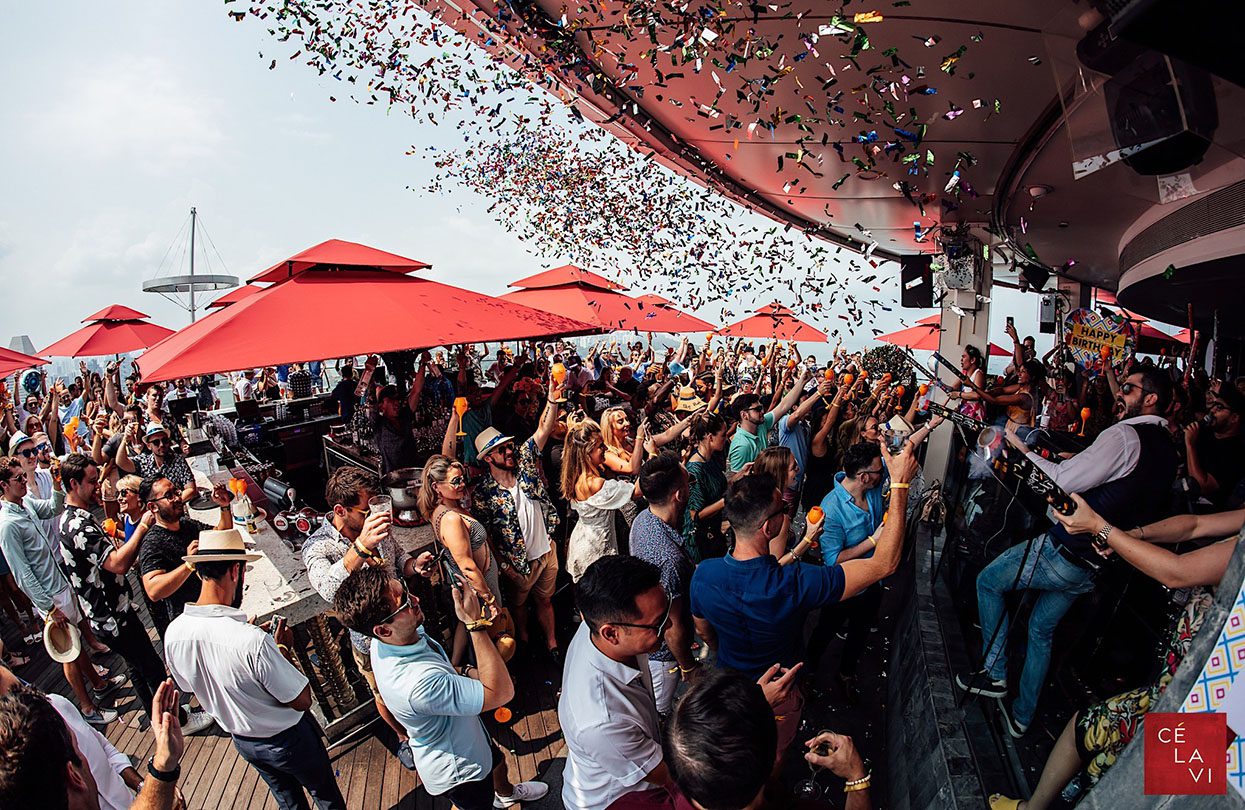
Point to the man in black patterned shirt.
(97, 569)
(160, 461)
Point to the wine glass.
(808, 788)
(460, 408)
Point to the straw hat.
(224, 545)
(490, 439)
(62, 641)
(688, 400)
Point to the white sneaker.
(523, 792)
(196, 722)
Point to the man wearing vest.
(1126, 475)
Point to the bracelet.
(692, 668)
(190, 565)
(862, 780)
(363, 552)
(281, 648)
(900, 486)
(1142, 529)
(852, 787)
(478, 624)
(163, 776)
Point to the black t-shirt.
(396, 444)
(1225, 460)
(162, 550)
(343, 393)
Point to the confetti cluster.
(574, 193)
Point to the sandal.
(1000, 802)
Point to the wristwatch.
(1100, 539)
(163, 776)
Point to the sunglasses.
(125, 492)
(156, 441)
(172, 496)
(406, 604)
(1128, 388)
(29, 452)
(456, 481)
(656, 628)
(43, 447)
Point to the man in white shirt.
(607, 710)
(1125, 475)
(244, 678)
(439, 707)
(244, 385)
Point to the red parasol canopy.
(774, 321)
(11, 361)
(340, 312)
(112, 330)
(924, 337)
(234, 296)
(338, 254)
(566, 274)
(607, 309)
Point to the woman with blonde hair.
(463, 541)
(593, 496)
(620, 455)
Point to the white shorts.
(68, 603)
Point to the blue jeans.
(292, 760)
(1058, 583)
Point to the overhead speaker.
(1034, 276)
(1164, 109)
(916, 281)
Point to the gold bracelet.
(900, 486)
(851, 787)
(478, 624)
(689, 669)
(868, 775)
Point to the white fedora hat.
(224, 545)
(62, 641)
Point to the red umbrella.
(11, 361)
(338, 312)
(607, 309)
(566, 274)
(924, 337)
(774, 321)
(234, 296)
(336, 253)
(113, 330)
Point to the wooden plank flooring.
(371, 778)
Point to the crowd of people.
(721, 513)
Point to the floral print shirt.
(106, 597)
(496, 509)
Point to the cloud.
(136, 110)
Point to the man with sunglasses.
(167, 580)
(160, 461)
(752, 435)
(1214, 451)
(1126, 476)
(439, 708)
(104, 452)
(349, 540)
(607, 710)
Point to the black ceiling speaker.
(916, 281)
(1165, 110)
(1035, 276)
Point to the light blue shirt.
(847, 524)
(796, 438)
(439, 709)
(27, 550)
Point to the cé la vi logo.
(1186, 754)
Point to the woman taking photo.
(702, 521)
(1020, 400)
(462, 542)
(593, 496)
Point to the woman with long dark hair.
(702, 520)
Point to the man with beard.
(1126, 476)
(167, 579)
(160, 461)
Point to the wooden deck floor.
(371, 778)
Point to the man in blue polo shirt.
(439, 707)
(854, 513)
(751, 610)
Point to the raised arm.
(793, 396)
(548, 417)
(860, 574)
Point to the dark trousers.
(294, 759)
(858, 613)
(132, 643)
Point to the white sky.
(120, 117)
